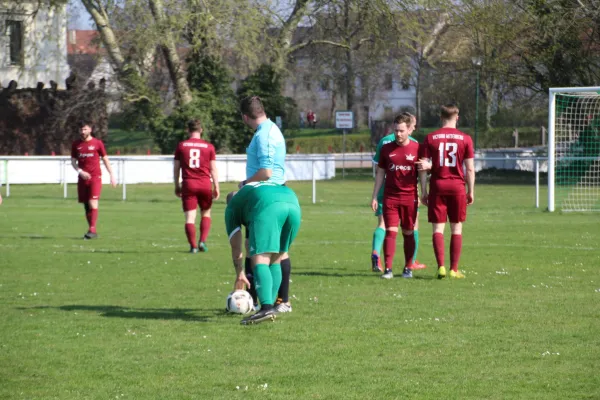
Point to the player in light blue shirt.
(265, 161)
(266, 152)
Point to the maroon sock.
(204, 228)
(389, 248)
(438, 248)
(455, 248)
(88, 216)
(190, 232)
(93, 219)
(409, 249)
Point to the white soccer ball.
(239, 302)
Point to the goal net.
(574, 149)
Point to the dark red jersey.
(400, 170)
(447, 148)
(88, 154)
(195, 156)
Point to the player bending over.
(272, 215)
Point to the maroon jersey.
(88, 154)
(447, 148)
(195, 156)
(401, 172)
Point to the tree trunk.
(286, 34)
(418, 91)
(183, 93)
(350, 89)
(100, 17)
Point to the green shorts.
(274, 228)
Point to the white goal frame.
(551, 135)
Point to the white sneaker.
(388, 274)
(284, 307)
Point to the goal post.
(574, 149)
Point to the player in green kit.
(379, 234)
(272, 215)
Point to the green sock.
(263, 283)
(416, 232)
(276, 278)
(378, 237)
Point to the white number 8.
(194, 158)
(451, 148)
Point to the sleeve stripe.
(234, 232)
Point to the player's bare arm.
(0, 199)
(261, 175)
(470, 166)
(423, 184)
(238, 260)
(214, 174)
(84, 175)
(379, 178)
(176, 172)
(106, 162)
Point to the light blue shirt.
(267, 150)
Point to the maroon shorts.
(443, 208)
(89, 190)
(193, 196)
(400, 212)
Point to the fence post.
(124, 180)
(6, 181)
(314, 183)
(64, 173)
(537, 183)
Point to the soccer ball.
(239, 302)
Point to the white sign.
(344, 119)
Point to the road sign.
(344, 119)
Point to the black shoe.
(193, 250)
(260, 316)
(90, 235)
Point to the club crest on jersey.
(91, 147)
(410, 157)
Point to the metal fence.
(314, 167)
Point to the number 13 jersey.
(447, 148)
(195, 156)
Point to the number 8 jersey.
(195, 156)
(447, 148)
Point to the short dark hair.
(403, 118)
(252, 106)
(194, 125)
(85, 122)
(448, 111)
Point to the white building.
(33, 42)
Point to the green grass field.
(132, 315)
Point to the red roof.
(82, 42)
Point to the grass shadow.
(183, 314)
(331, 274)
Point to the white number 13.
(194, 158)
(450, 149)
